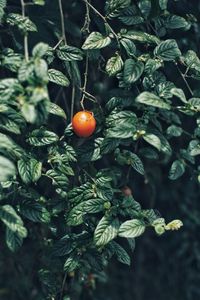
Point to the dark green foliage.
(65, 202)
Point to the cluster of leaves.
(140, 120)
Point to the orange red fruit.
(84, 123)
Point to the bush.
(76, 202)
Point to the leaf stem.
(26, 54)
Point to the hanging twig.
(184, 79)
(103, 18)
(62, 21)
(85, 81)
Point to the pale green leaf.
(106, 231)
(96, 41)
(132, 228)
(57, 77)
(151, 99)
(114, 65)
(177, 170)
(132, 70)
(167, 50)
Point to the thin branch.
(86, 26)
(182, 75)
(103, 18)
(184, 79)
(26, 54)
(73, 101)
(59, 42)
(86, 29)
(63, 286)
(88, 95)
(85, 81)
(62, 21)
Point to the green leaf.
(90, 151)
(163, 4)
(179, 93)
(58, 179)
(58, 77)
(56, 110)
(10, 59)
(23, 23)
(132, 70)
(75, 216)
(129, 16)
(13, 240)
(129, 46)
(96, 41)
(3, 3)
(174, 22)
(71, 264)
(152, 65)
(121, 254)
(195, 103)
(167, 50)
(40, 50)
(194, 148)
(34, 211)
(10, 120)
(122, 131)
(136, 163)
(153, 140)
(29, 112)
(164, 89)
(39, 2)
(41, 69)
(119, 101)
(113, 7)
(132, 228)
(30, 170)
(69, 53)
(174, 130)
(125, 117)
(12, 220)
(127, 157)
(9, 88)
(42, 137)
(177, 170)
(7, 169)
(151, 99)
(141, 37)
(192, 61)
(106, 231)
(64, 246)
(114, 65)
(10, 146)
(25, 71)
